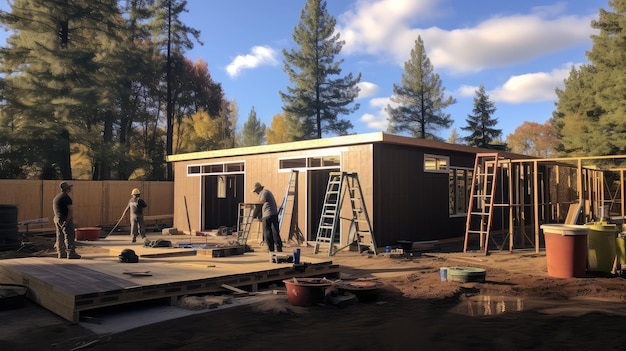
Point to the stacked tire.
(9, 235)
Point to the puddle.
(487, 305)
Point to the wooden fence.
(96, 203)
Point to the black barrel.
(9, 235)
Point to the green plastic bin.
(601, 246)
(620, 245)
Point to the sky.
(521, 51)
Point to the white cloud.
(259, 56)
(531, 87)
(386, 28)
(377, 120)
(367, 89)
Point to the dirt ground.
(518, 307)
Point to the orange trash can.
(566, 250)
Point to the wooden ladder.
(287, 210)
(245, 217)
(340, 183)
(481, 202)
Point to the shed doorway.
(316, 192)
(222, 195)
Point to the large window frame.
(460, 187)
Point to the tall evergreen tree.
(481, 123)
(577, 113)
(590, 111)
(317, 97)
(420, 98)
(52, 76)
(171, 34)
(253, 132)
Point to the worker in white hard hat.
(136, 205)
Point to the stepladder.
(481, 200)
(342, 185)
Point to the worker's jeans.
(271, 233)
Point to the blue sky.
(520, 50)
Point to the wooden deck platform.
(69, 287)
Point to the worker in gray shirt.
(269, 218)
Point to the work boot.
(73, 256)
(61, 255)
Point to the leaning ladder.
(286, 208)
(245, 218)
(481, 201)
(340, 183)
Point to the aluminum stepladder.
(481, 201)
(340, 184)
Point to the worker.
(64, 223)
(136, 205)
(269, 218)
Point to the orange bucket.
(566, 250)
(87, 234)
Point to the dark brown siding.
(410, 204)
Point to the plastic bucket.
(566, 249)
(443, 274)
(601, 246)
(620, 247)
(87, 234)
(306, 291)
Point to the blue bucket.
(443, 273)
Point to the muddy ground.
(518, 307)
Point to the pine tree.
(589, 115)
(253, 132)
(317, 98)
(52, 76)
(420, 98)
(481, 123)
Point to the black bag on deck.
(128, 256)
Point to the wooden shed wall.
(95, 202)
(411, 204)
(264, 168)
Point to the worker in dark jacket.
(64, 223)
(136, 205)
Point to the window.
(216, 168)
(333, 161)
(460, 184)
(434, 163)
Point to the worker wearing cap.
(136, 205)
(64, 223)
(269, 218)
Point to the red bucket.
(87, 234)
(306, 291)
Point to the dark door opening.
(316, 188)
(222, 195)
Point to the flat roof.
(355, 139)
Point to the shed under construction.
(530, 192)
(413, 190)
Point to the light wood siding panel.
(189, 189)
(358, 159)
